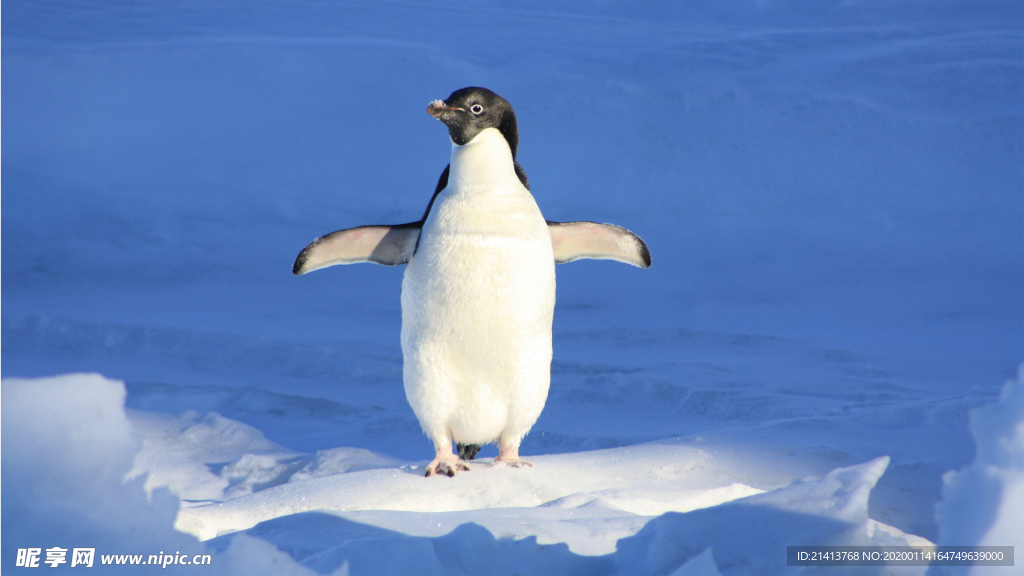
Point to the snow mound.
(747, 535)
(63, 480)
(609, 487)
(209, 458)
(743, 536)
(78, 480)
(983, 504)
(64, 483)
(341, 460)
(183, 452)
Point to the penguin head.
(470, 111)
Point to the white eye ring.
(476, 109)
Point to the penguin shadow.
(364, 549)
(743, 537)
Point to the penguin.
(478, 293)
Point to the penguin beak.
(437, 109)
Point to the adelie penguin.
(478, 295)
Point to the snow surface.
(984, 503)
(832, 192)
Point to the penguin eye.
(476, 109)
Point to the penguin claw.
(512, 463)
(446, 467)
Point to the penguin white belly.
(477, 306)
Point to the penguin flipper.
(387, 245)
(578, 240)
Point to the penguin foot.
(447, 466)
(508, 454)
(511, 462)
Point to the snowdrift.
(77, 480)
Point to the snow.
(68, 445)
(832, 195)
(983, 504)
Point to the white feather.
(477, 304)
